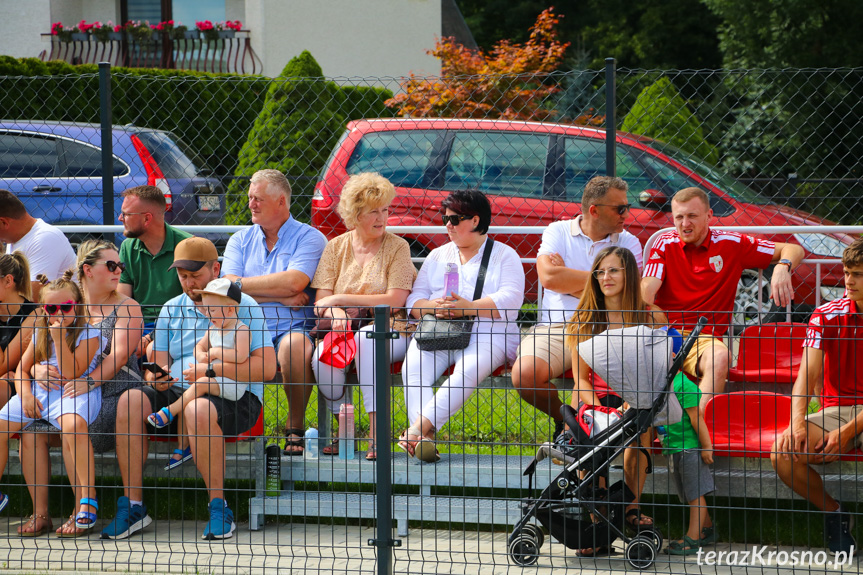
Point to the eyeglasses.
(607, 272)
(65, 307)
(112, 265)
(621, 208)
(455, 219)
(124, 215)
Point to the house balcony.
(230, 53)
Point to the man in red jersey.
(694, 271)
(832, 355)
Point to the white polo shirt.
(578, 252)
(47, 249)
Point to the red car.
(534, 174)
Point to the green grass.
(494, 421)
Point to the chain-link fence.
(771, 148)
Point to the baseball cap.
(192, 253)
(223, 287)
(339, 348)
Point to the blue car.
(55, 168)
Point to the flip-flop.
(71, 535)
(633, 519)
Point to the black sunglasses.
(455, 219)
(112, 265)
(65, 307)
(621, 208)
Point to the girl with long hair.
(611, 300)
(63, 339)
(17, 318)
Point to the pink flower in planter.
(234, 25)
(204, 26)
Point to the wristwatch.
(786, 262)
(91, 383)
(239, 283)
(210, 371)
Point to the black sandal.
(294, 446)
(633, 520)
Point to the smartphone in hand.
(155, 368)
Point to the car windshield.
(712, 174)
(175, 158)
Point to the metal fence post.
(610, 118)
(383, 441)
(107, 144)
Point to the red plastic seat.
(769, 353)
(745, 424)
(257, 430)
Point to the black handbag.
(436, 334)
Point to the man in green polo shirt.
(148, 253)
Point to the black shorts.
(234, 417)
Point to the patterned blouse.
(390, 268)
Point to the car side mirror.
(654, 199)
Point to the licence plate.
(208, 203)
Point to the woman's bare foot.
(36, 525)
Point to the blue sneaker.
(130, 519)
(221, 523)
(4, 501)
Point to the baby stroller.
(636, 362)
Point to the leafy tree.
(790, 33)
(507, 82)
(301, 120)
(661, 113)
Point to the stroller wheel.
(640, 552)
(654, 534)
(536, 532)
(524, 550)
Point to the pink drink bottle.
(450, 280)
(346, 431)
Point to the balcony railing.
(231, 53)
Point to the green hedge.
(299, 125)
(212, 113)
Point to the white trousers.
(422, 368)
(331, 380)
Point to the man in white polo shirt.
(563, 264)
(47, 249)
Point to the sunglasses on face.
(112, 265)
(455, 219)
(621, 208)
(65, 307)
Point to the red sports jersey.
(837, 330)
(697, 280)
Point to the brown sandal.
(70, 534)
(407, 444)
(46, 526)
(332, 448)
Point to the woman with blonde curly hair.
(362, 268)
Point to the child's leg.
(7, 430)
(78, 448)
(699, 518)
(203, 386)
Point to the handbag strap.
(480, 278)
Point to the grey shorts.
(692, 477)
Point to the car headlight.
(821, 244)
(829, 293)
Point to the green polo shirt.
(152, 282)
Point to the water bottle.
(346, 431)
(274, 470)
(450, 280)
(311, 441)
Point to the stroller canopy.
(635, 363)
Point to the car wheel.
(747, 310)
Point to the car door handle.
(46, 189)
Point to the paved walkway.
(176, 547)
